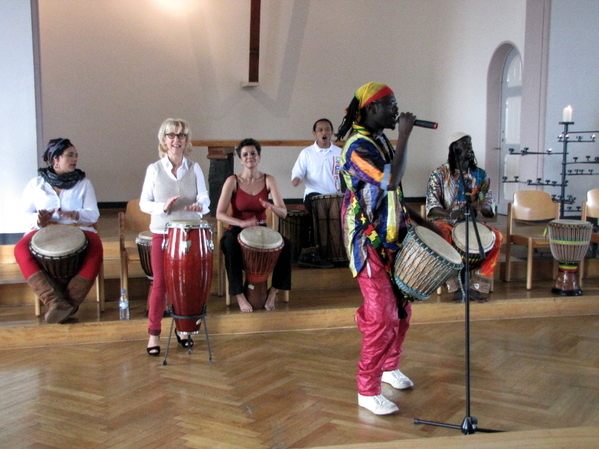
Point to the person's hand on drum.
(279, 211)
(69, 215)
(457, 215)
(266, 204)
(43, 217)
(253, 221)
(194, 207)
(170, 203)
(484, 209)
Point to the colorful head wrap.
(55, 148)
(371, 92)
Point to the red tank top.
(245, 206)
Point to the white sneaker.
(397, 379)
(379, 404)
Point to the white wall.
(17, 109)
(112, 71)
(573, 80)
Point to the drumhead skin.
(261, 237)
(144, 237)
(330, 195)
(571, 223)
(187, 224)
(58, 240)
(487, 237)
(438, 244)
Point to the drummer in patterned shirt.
(445, 201)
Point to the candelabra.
(565, 138)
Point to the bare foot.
(272, 297)
(244, 305)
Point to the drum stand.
(470, 423)
(201, 319)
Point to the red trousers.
(383, 333)
(94, 254)
(158, 295)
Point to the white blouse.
(81, 197)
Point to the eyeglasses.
(181, 136)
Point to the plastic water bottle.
(124, 305)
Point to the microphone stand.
(470, 423)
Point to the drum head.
(188, 224)
(328, 196)
(144, 237)
(438, 244)
(487, 237)
(260, 237)
(571, 223)
(58, 240)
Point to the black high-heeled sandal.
(184, 342)
(153, 351)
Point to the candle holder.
(567, 137)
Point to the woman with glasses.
(174, 189)
(247, 193)
(60, 194)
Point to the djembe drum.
(144, 248)
(424, 263)
(328, 233)
(59, 250)
(487, 240)
(296, 227)
(261, 248)
(188, 252)
(569, 241)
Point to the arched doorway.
(504, 95)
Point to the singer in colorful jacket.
(375, 219)
(446, 200)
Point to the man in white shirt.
(318, 167)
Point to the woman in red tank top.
(243, 203)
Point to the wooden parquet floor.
(297, 390)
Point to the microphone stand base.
(468, 427)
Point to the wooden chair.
(222, 283)
(133, 219)
(529, 208)
(590, 209)
(99, 285)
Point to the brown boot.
(77, 290)
(58, 309)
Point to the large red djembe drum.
(261, 248)
(59, 250)
(188, 252)
(569, 241)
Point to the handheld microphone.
(426, 124)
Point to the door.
(511, 99)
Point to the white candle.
(567, 114)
